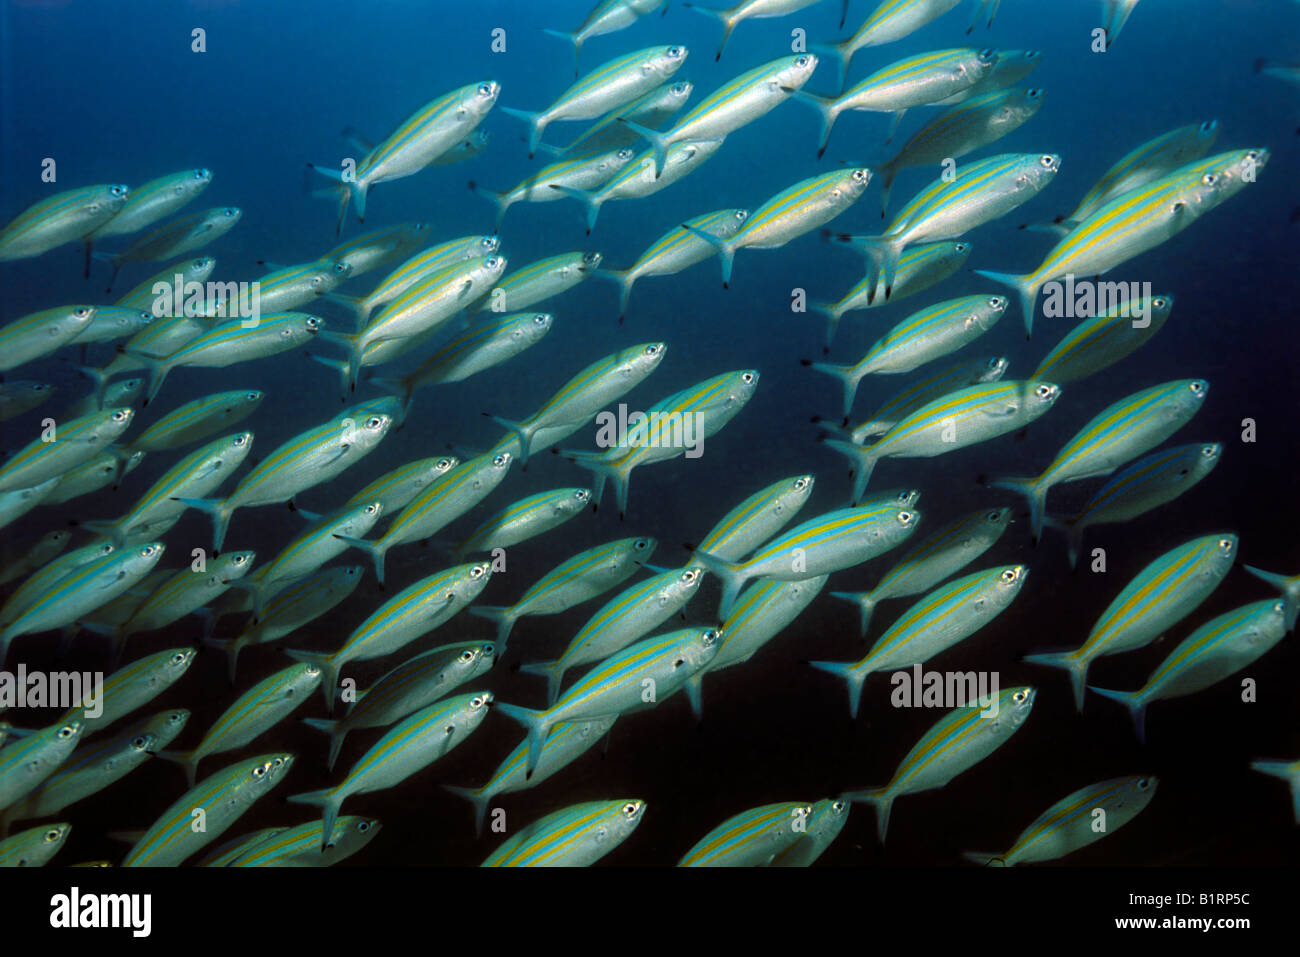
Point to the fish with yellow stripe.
(754, 838)
(60, 219)
(576, 836)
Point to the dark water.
(114, 94)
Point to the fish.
(61, 219)
(891, 20)
(828, 543)
(302, 602)
(650, 109)
(753, 838)
(1162, 594)
(1012, 67)
(608, 16)
(32, 758)
(107, 468)
(22, 395)
(1074, 822)
(1113, 437)
(1127, 226)
(24, 556)
(957, 419)
(437, 127)
(622, 620)
(822, 827)
(961, 129)
(310, 458)
(147, 295)
(80, 592)
(675, 250)
(578, 400)
(1116, 14)
(415, 269)
(175, 238)
(1289, 586)
(145, 205)
(34, 847)
(751, 10)
(117, 394)
(223, 798)
(1104, 339)
(919, 80)
(944, 617)
(762, 612)
(195, 421)
(575, 836)
(926, 335)
(468, 148)
(286, 288)
(69, 445)
(42, 333)
(805, 206)
(311, 549)
(737, 103)
(113, 322)
(919, 268)
(132, 687)
(415, 683)
(527, 518)
(411, 613)
(757, 518)
(538, 282)
(252, 714)
(479, 347)
(1217, 650)
(229, 343)
(195, 476)
(1152, 160)
(1288, 771)
(933, 560)
(225, 853)
(670, 428)
(572, 582)
(306, 846)
(35, 587)
(394, 490)
(14, 505)
(638, 677)
(410, 747)
(378, 248)
(564, 744)
(589, 171)
(951, 206)
(98, 765)
(610, 86)
(961, 739)
(441, 502)
(639, 179)
(1137, 488)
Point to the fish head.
(697, 649)
(328, 275)
(487, 245)
(1009, 582)
(261, 774)
(1135, 795)
(1189, 395)
(1039, 397)
(169, 725)
(1035, 172)
(1271, 621)
(481, 97)
(988, 311)
(530, 328)
(979, 64)
(1027, 102)
(795, 495)
(847, 189)
(176, 662)
(1222, 552)
(678, 94)
(467, 716)
(665, 61)
(992, 370)
(637, 550)
(1207, 457)
(225, 217)
(794, 72)
(589, 262)
(107, 198)
(575, 501)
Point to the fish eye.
(742, 215)
(689, 575)
(1279, 606)
(121, 415)
(591, 259)
(373, 508)
(259, 771)
(653, 349)
(485, 89)
(1047, 161)
(476, 572)
(1209, 451)
(363, 827)
(541, 318)
(680, 89)
(861, 175)
(801, 61)
(139, 743)
(230, 211)
(493, 262)
(178, 657)
(1252, 154)
(988, 53)
(477, 701)
(747, 378)
(624, 153)
(1197, 386)
(1209, 179)
(467, 655)
(1225, 543)
(640, 544)
(1043, 390)
(674, 51)
(502, 460)
(582, 494)
(81, 311)
(1009, 575)
(994, 516)
(905, 517)
(1018, 696)
(1034, 93)
(800, 484)
(65, 732)
(51, 835)
(148, 550)
(374, 422)
(996, 302)
(118, 191)
(1144, 784)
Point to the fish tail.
(105, 529)
(505, 620)
(726, 251)
(329, 672)
(1134, 702)
(98, 379)
(573, 38)
(624, 279)
(336, 731)
(695, 695)
(220, 513)
(350, 341)
(847, 379)
(884, 254)
(1024, 286)
(826, 108)
(1286, 771)
(186, 759)
(338, 365)
(1036, 495)
(1116, 14)
(614, 472)
(502, 201)
(552, 671)
(722, 16)
(883, 801)
(1289, 587)
(376, 550)
(523, 432)
(863, 459)
(402, 388)
(833, 52)
(658, 142)
(733, 577)
(885, 173)
(987, 860)
(357, 304)
(351, 189)
(589, 200)
(231, 647)
(851, 675)
(536, 126)
(866, 602)
(1073, 530)
(477, 797)
(154, 367)
(1071, 662)
(328, 801)
(538, 725)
